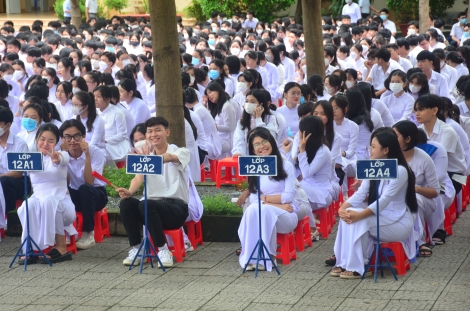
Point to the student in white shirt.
(289, 66)
(277, 198)
(87, 193)
(83, 106)
(244, 85)
(446, 69)
(292, 94)
(353, 10)
(330, 60)
(31, 118)
(216, 71)
(316, 83)
(50, 203)
(167, 205)
(356, 54)
(381, 70)
(399, 103)
(276, 70)
(418, 86)
(137, 107)
(426, 61)
(115, 127)
(433, 40)
(457, 62)
(11, 183)
(64, 104)
(65, 69)
(358, 224)
(252, 62)
(388, 24)
(344, 59)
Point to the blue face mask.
(466, 34)
(214, 74)
(110, 49)
(383, 17)
(211, 41)
(289, 132)
(184, 65)
(29, 124)
(463, 21)
(302, 99)
(195, 61)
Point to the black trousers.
(457, 185)
(166, 214)
(88, 200)
(13, 189)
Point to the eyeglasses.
(296, 94)
(264, 143)
(75, 137)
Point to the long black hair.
(265, 135)
(216, 108)
(312, 125)
(88, 101)
(329, 137)
(357, 111)
(388, 139)
(408, 129)
(245, 120)
(187, 116)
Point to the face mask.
(2, 48)
(126, 62)
(250, 108)
(349, 84)
(327, 61)
(329, 90)
(259, 31)
(195, 61)
(95, 63)
(76, 110)
(196, 31)
(242, 87)
(443, 63)
(342, 43)
(243, 53)
(466, 34)
(353, 55)
(235, 51)
(411, 32)
(302, 99)
(76, 72)
(186, 36)
(339, 24)
(214, 29)
(135, 26)
(110, 49)
(102, 38)
(463, 21)
(365, 48)
(191, 79)
(103, 66)
(211, 42)
(116, 82)
(383, 17)
(18, 75)
(29, 124)
(2, 131)
(134, 43)
(269, 58)
(235, 20)
(85, 51)
(414, 89)
(214, 74)
(348, 1)
(208, 59)
(8, 78)
(75, 90)
(396, 87)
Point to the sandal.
(439, 237)
(315, 235)
(55, 256)
(336, 271)
(331, 261)
(353, 275)
(238, 251)
(31, 260)
(425, 250)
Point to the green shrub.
(117, 5)
(119, 177)
(220, 205)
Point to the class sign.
(377, 169)
(257, 166)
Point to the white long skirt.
(426, 210)
(354, 242)
(274, 220)
(48, 216)
(3, 222)
(117, 152)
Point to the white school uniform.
(440, 84)
(214, 146)
(139, 110)
(226, 123)
(400, 107)
(462, 70)
(229, 86)
(354, 242)
(240, 143)
(376, 119)
(150, 98)
(282, 128)
(236, 107)
(463, 140)
(385, 114)
(264, 77)
(378, 76)
(465, 124)
(51, 210)
(96, 136)
(453, 76)
(130, 121)
(363, 142)
(240, 99)
(316, 177)
(29, 138)
(349, 132)
(52, 98)
(289, 69)
(335, 159)
(195, 207)
(201, 135)
(291, 116)
(76, 167)
(275, 220)
(65, 111)
(425, 176)
(191, 145)
(13, 102)
(117, 144)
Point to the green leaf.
(220, 205)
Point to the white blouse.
(240, 143)
(349, 132)
(400, 107)
(140, 110)
(115, 124)
(291, 116)
(65, 111)
(95, 137)
(380, 106)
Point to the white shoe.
(87, 240)
(188, 246)
(131, 256)
(166, 257)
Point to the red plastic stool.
(453, 210)
(286, 250)
(324, 227)
(72, 245)
(121, 164)
(351, 180)
(212, 173)
(402, 262)
(2, 233)
(228, 178)
(18, 204)
(177, 249)
(302, 234)
(331, 211)
(447, 221)
(194, 230)
(203, 173)
(101, 225)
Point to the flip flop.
(331, 261)
(56, 256)
(425, 251)
(31, 260)
(354, 275)
(337, 273)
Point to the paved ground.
(211, 279)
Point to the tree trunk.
(166, 64)
(313, 37)
(298, 12)
(423, 15)
(76, 14)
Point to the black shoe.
(331, 261)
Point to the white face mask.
(242, 87)
(85, 51)
(208, 59)
(76, 72)
(443, 63)
(2, 48)
(414, 89)
(353, 55)
(18, 75)
(365, 48)
(126, 62)
(235, 51)
(304, 69)
(75, 110)
(339, 24)
(103, 66)
(329, 90)
(411, 32)
(2, 131)
(349, 84)
(327, 61)
(186, 36)
(75, 90)
(259, 31)
(396, 87)
(8, 78)
(95, 63)
(116, 82)
(250, 108)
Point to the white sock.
(164, 247)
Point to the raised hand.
(64, 146)
(303, 141)
(287, 145)
(258, 111)
(55, 156)
(84, 146)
